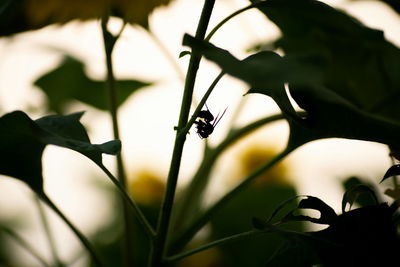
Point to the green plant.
(342, 74)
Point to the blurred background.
(147, 120)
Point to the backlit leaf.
(23, 141)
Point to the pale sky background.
(148, 118)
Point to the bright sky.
(148, 118)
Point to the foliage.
(343, 76)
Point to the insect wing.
(218, 118)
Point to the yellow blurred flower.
(207, 258)
(255, 155)
(147, 187)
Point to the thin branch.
(109, 43)
(139, 214)
(201, 104)
(85, 242)
(167, 54)
(215, 243)
(234, 14)
(25, 245)
(47, 230)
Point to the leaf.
(328, 113)
(327, 213)
(351, 195)
(68, 82)
(23, 141)
(184, 53)
(392, 171)
(281, 206)
(266, 71)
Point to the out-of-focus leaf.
(69, 82)
(392, 171)
(351, 195)
(23, 141)
(23, 15)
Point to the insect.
(206, 123)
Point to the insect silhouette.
(206, 123)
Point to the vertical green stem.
(159, 244)
(78, 233)
(109, 43)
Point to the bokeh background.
(148, 116)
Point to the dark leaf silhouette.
(354, 238)
(23, 142)
(392, 171)
(358, 63)
(328, 113)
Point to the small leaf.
(184, 53)
(69, 82)
(281, 206)
(23, 141)
(351, 195)
(392, 171)
(327, 213)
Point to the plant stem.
(140, 216)
(218, 242)
(25, 245)
(198, 223)
(203, 100)
(49, 235)
(109, 43)
(76, 231)
(234, 14)
(167, 54)
(159, 244)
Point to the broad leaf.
(69, 82)
(266, 71)
(23, 141)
